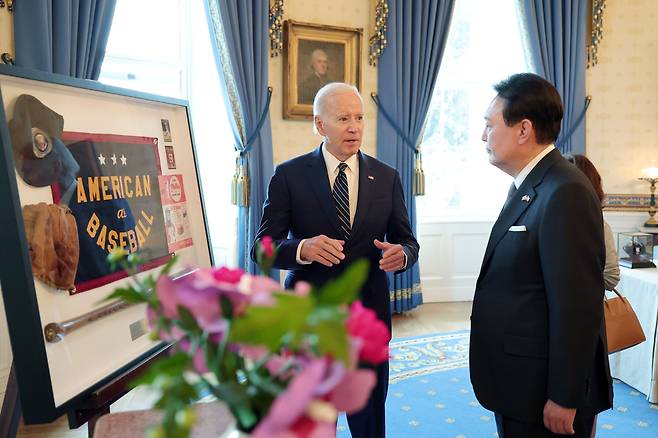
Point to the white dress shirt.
(352, 173)
(531, 165)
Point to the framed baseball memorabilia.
(84, 171)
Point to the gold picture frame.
(314, 55)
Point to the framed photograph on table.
(315, 55)
(83, 171)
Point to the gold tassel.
(244, 184)
(240, 183)
(234, 182)
(419, 176)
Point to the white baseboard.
(447, 294)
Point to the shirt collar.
(531, 165)
(333, 162)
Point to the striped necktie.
(342, 201)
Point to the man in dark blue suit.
(538, 355)
(335, 205)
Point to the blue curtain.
(67, 37)
(239, 32)
(556, 32)
(408, 68)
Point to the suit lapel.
(316, 174)
(509, 215)
(366, 187)
(517, 206)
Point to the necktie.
(342, 201)
(510, 195)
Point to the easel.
(11, 407)
(87, 411)
(98, 402)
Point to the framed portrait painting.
(315, 55)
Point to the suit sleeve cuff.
(299, 254)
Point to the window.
(163, 47)
(484, 46)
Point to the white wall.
(450, 257)
(621, 120)
(452, 252)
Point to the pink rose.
(373, 334)
(267, 246)
(289, 407)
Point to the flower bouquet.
(285, 363)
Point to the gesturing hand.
(559, 419)
(392, 256)
(322, 249)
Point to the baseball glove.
(52, 237)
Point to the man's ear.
(318, 125)
(526, 132)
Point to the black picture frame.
(26, 329)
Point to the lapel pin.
(525, 198)
(371, 177)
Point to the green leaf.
(226, 305)
(237, 399)
(169, 266)
(187, 322)
(129, 295)
(332, 340)
(268, 325)
(116, 257)
(345, 289)
(326, 313)
(172, 366)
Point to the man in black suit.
(538, 355)
(335, 205)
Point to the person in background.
(611, 269)
(318, 77)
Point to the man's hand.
(392, 256)
(323, 250)
(558, 419)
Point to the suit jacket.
(537, 329)
(309, 87)
(300, 205)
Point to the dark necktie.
(342, 201)
(510, 195)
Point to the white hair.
(325, 93)
(316, 53)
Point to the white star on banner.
(124, 160)
(101, 159)
(114, 159)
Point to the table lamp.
(651, 176)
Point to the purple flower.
(200, 293)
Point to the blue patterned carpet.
(430, 396)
